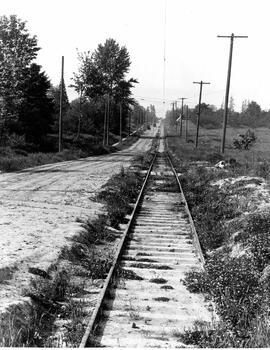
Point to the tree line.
(29, 103)
(251, 115)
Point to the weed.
(158, 280)
(163, 299)
(146, 260)
(134, 315)
(128, 274)
(143, 254)
(151, 266)
(121, 190)
(166, 287)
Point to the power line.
(164, 52)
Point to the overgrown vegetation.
(236, 249)
(117, 195)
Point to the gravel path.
(39, 207)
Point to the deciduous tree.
(102, 74)
(17, 49)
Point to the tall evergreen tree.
(36, 111)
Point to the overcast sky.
(193, 51)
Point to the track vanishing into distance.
(144, 302)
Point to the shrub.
(262, 169)
(233, 284)
(118, 193)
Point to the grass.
(118, 193)
(236, 246)
(15, 157)
(128, 274)
(256, 159)
(12, 161)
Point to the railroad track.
(144, 302)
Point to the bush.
(233, 284)
(210, 207)
(121, 190)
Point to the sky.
(184, 31)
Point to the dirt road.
(39, 207)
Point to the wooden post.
(60, 127)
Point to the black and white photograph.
(135, 174)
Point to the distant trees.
(250, 116)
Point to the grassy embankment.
(19, 156)
(62, 298)
(230, 208)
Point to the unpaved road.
(39, 207)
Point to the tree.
(36, 110)
(17, 50)
(251, 114)
(231, 104)
(102, 76)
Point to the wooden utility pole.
(129, 123)
(108, 120)
(60, 127)
(173, 121)
(225, 117)
(199, 111)
(182, 113)
(105, 121)
(186, 123)
(120, 116)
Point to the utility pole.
(129, 123)
(186, 123)
(61, 109)
(225, 117)
(108, 120)
(173, 121)
(105, 122)
(120, 116)
(182, 113)
(199, 112)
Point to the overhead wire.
(164, 50)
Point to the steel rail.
(193, 229)
(98, 308)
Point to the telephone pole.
(173, 121)
(108, 120)
(129, 123)
(60, 127)
(225, 117)
(105, 121)
(199, 111)
(120, 116)
(182, 113)
(186, 123)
